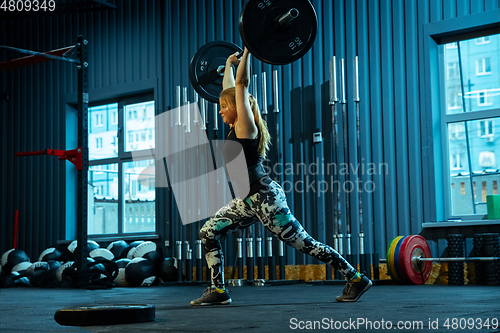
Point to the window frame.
(436, 179)
(123, 157)
(446, 119)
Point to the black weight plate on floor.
(277, 45)
(105, 315)
(203, 68)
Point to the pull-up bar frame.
(80, 155)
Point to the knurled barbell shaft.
(458, 259)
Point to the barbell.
(277, 32)
(409, 259)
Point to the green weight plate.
(387, 256)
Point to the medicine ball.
(131, 248)
(62, 271)
(22, 268)
(38, 273)
(13, 279)
(150, 251)
(102, 255)
(167, 270)
(11, 258)
(68, 253)
(98, 272)
(52, 280)
(117, 248)
(120, 280)
(50, 254)
(140, 272)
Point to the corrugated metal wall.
(155, 40)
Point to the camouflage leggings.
(270, 207)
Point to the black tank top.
(250, 148)
(252, 156)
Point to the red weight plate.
(418, 271)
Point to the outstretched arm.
(228, 80)
(246, 123)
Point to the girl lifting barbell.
(265, 200)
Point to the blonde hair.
(265, 139)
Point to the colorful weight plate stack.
(402, 263)
(391, 263)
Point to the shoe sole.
(368, 286)
(226, 302)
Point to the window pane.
(139, 121)
(481, 148)
(473, 75)
(103, 126)
(104, 217)
(139, 189)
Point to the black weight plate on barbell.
(203, 68)
(105, 315)
(275, 45)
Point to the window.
(456, 131)
(102, 136)
(470, 117)
(137, 127)
(485, 128)
(114, 117)
(483, 66)
(105, 181)
(453, 70)
(482, 40)
(124, 185)
(454, 102)
(482, 98)
(456, 162)
(98, 120)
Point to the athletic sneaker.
(353, 290)
(212, 296)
